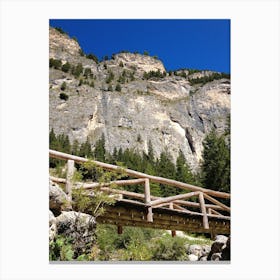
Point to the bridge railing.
(177, 202)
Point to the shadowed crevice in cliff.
(190, 140)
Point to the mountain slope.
(131, 100)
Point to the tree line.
(214, 170)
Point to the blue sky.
(196, 44)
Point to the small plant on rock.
(63, 86)
(63, 96)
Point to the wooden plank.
(162, 205)
(164, 220)
(122, 192)
(57, 180)
(215, 212)
(118, 183)
(170, 182)
(178, 207)
(203, 210)
(172, 198)
(196, 204)
(215, 201)
(168, 224)
(69, 177)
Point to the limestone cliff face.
(167, 111)
(60, 44)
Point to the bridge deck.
(124, 213)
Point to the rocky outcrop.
(198, 252)
(138, 62)
(52, 226)
(58, 200)
(75, 226)
(79, 227)
(168, 111)
(61, 46)
(220, 250)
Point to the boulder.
(58, 200)
(195, 250)
(193, 257)
(226, 251)
(203, 258)
(205, 250)
(221, 239)
(79, 228)
(216, 257)
(52, 226)
(219, 245)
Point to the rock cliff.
(116, 99)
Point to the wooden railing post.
(120, 229)
(148, 200)
(69, 177)
(203, 210)
(173, 232)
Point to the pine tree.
(151, 155)
(52, 140)
(75, 147)
(100, 152)
(165, 168)
(216, 163)
(85, 149)
(183, 172)
(120, 155)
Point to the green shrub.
(63, 96)
(66, 67)
(56, 63)
(131, 76)
(63, 86)
(192, 71)
(118, 87)
(81, 52)
(87, 72)
(60, 30)
(207, 79)
(61, 249)
(77, 70)
(154, 74)
(169, 248)
(110, 77)
(93, 57)
(110, 88)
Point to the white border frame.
(255, 137)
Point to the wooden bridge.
(144, 210)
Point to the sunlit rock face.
(168, 111)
